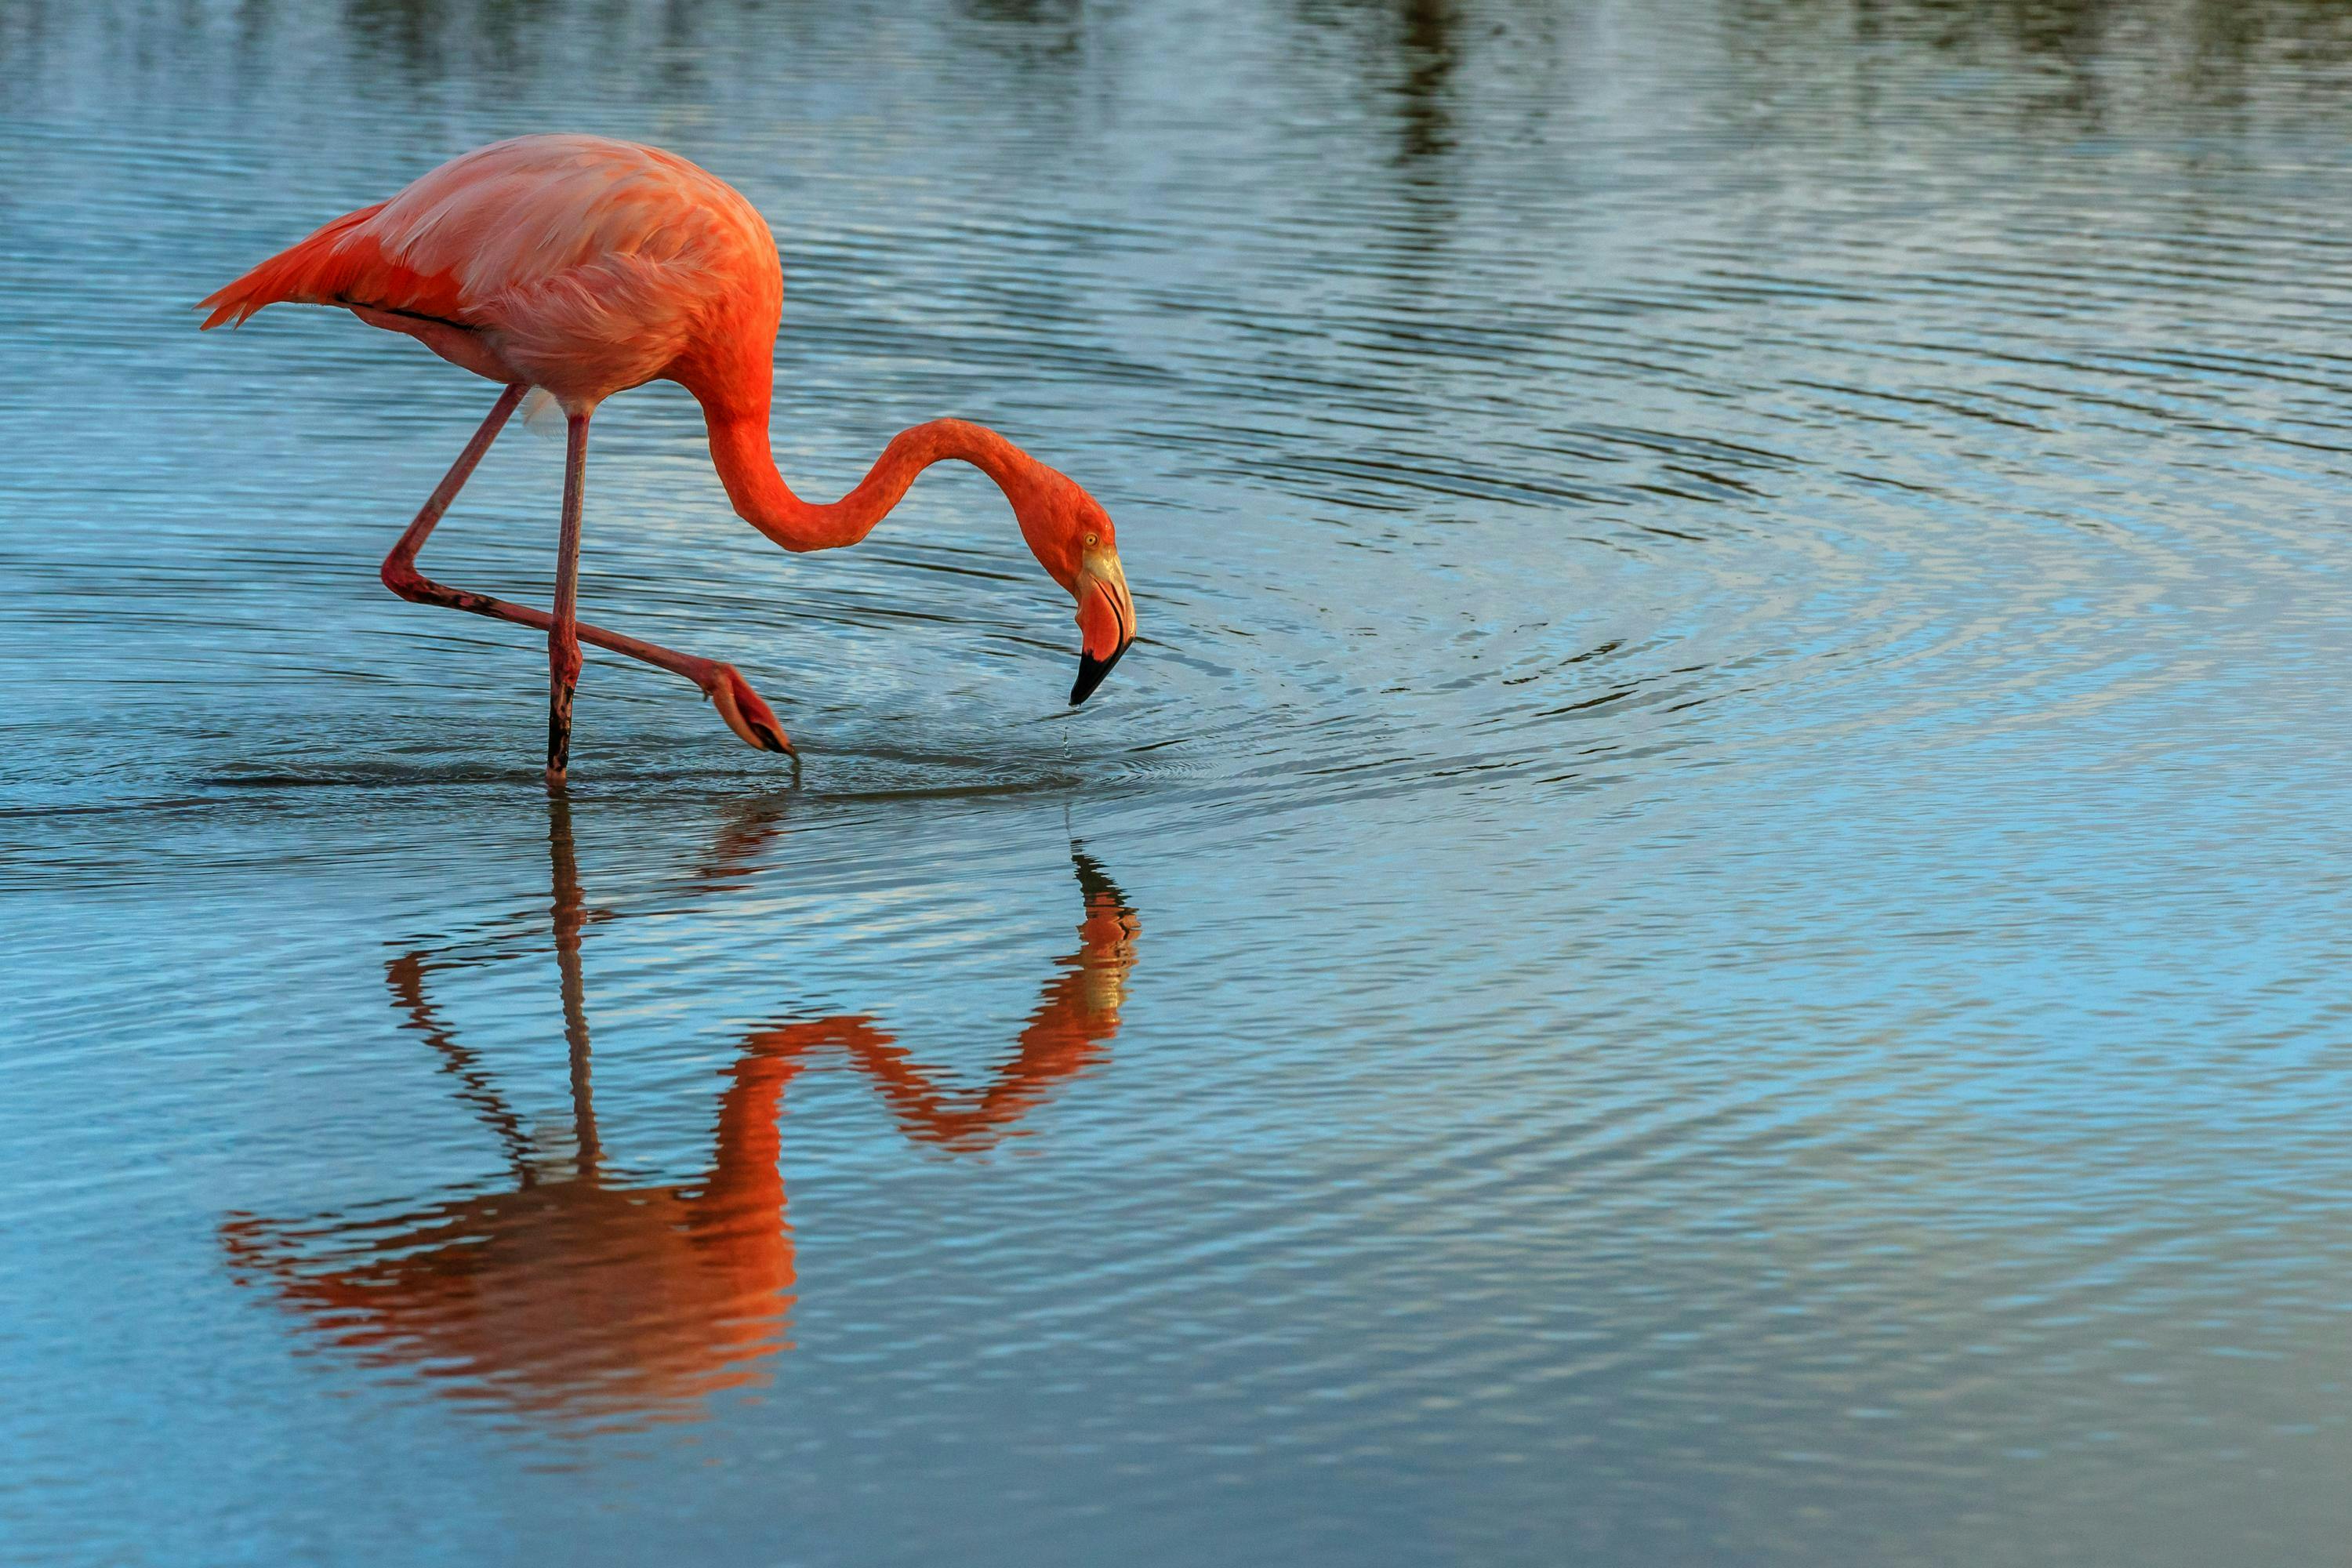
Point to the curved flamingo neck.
(739, 450)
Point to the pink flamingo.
(585, 267)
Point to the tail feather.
(317, 271)
(543, 413)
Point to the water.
(1707, 927)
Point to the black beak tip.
(1091, 671)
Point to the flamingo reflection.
(576, 1292)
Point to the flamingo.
(583, 267)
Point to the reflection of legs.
(571, 914)
(738, 704)
(406, 975)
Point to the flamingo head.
(1072, 538)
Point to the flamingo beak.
(1091, 671)
(1106, 620)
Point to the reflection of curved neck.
(747, 467)
(1077, 1011)
(746, 1183)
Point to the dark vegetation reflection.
(576, 1291)
(1433, 58)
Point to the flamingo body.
(573, 263)
(584, 267)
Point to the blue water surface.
(1708, 926)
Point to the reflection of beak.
(1105, 619)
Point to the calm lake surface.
(1709, 926)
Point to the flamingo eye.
(1093, 539)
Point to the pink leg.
(563, 637)
(738, 704)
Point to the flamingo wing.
(587, 264)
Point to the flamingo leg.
(738, 704)
(563, 635)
